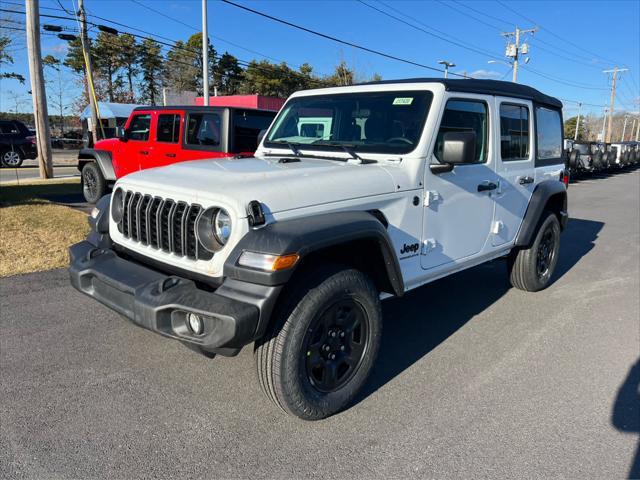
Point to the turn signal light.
(268, 262)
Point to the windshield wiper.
(346, 147)
(292, 146)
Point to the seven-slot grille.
(163, 224)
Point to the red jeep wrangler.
(157, 136)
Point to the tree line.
(128, 70)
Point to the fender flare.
(307, 235)
(543, 193)
(101, 157)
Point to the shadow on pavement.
(425, 317)
(626, 412)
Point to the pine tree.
(151, 66)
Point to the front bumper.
(161, 303)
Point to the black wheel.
(574, 159)
(94, 185)
(322, 343)
(12, 158)
(530, 269)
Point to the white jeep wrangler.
(355, 194)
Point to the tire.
(531, 269)
(574, 159)
(12, 158)
(309, 337)
(94, 186)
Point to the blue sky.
(576, 40)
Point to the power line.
(552, 33)
(452, 7)
(559, 80)
(165, 15)
(332, 38)
(484, 14)
(481, 52)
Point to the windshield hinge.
(430, 196)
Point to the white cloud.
(485, 74)
(57, 48)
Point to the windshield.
(581, 147)
(378, 122)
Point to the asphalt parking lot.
(474, 379)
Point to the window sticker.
(402, 100)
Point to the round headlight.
(117, 205)
(222, 226)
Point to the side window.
(203, 129)
(465, 116)
(246, 127)
(8, 127)
(514, 132)
(548, 133)
(168, 129)
(139, 127)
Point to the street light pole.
(624, 127)
(447, 65)
(575, 137)
(205, 55)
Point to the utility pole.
(40, 111)
(205, 54)
(624, 127)
(604, 124)
(633, 129)
(638, 130)
(614, 73)
(86, 52)
(514, 50)
(447, 65)
(575, 137)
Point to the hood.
(106, 144)
(278, 186)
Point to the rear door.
(515, 167)
(166, 140)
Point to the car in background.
(159, 136)
(17, 143)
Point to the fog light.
(195, 323)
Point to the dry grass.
(34, 233)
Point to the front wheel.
(94, 185)
(530, 269)
(322, 344)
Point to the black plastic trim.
(310, 234)
(101, 157)
(537, 205)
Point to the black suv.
(16, 143)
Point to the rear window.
(549, 133)
(203, 129)
(8, 128)
(247, 125)
(168, 128)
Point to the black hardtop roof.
(198, 108)
(489, 87)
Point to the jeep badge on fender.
(293, 249)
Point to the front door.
(458, 205)
(515, 167)
(137, 147)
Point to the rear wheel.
(322, 344)
(94, 185)
(12, 158)
(530, 269)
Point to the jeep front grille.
(163, 224)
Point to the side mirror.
(121, 134)
(459, 148)
(261, 135)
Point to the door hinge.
(428, 245)
(430, 196)
(497, 227)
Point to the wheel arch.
(549, 195)
(358, 239)
(101, 157)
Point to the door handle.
(144, 152)
(485, 187)
(525, 180)
(170, 155)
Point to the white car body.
(451, 228)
